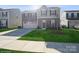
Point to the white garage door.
(30, 25)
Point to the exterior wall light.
(44, 21)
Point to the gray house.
(48, 17)
(73, 18)
(29, 19)
(10, 18)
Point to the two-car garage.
(29, 19)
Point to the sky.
(32, 7)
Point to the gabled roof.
(52, 7)
(43, 7)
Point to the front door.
(44, 23)
(52, 23)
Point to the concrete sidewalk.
(31, 46)
(38, 46)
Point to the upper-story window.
(52, 12)
(4, 14)
(0, 14)
(75, 15)
(29, 14)
(43, 12)
(72, 15)
(68, 15)
(23, 15)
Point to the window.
(0, 14)
(69, 15)
(75, 15)
(44, 23)
(52, 21)
(55, 12)
(43, 12)
(29, 14)
(23, 15)
(4, 14)
(52, 12)
(72, 15)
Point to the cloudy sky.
(32, 7)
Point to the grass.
(12, 51)
(5, 29)
(50, 35)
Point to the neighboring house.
(63, 20)
(10, 18)
(48, 17)
(29, 19)
(73, 18)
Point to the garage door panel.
(30, 25)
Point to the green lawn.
(12, 51)
(4, 29)
(49, 35)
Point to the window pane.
(72, 15)
(69, 15)
(75, 15)
(43, 12)
(53, 12)
(4, 14)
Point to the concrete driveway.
(18, 32)
(63, 47)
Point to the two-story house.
(10, 18)
(73, 18)
(48, 17)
